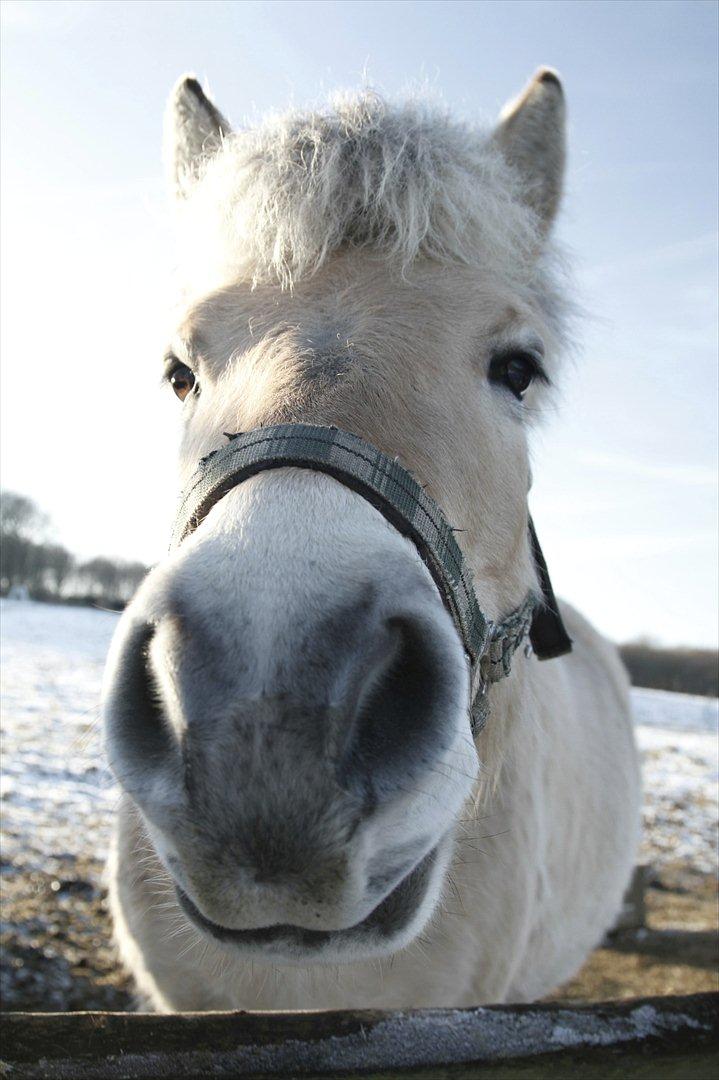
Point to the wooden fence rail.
(665, 1038)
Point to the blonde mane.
(275, 202)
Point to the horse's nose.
(143, 749)
(363, 690)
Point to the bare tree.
(28, 559)
(21, 517)
(101, 576)
(60, 564)
(130, 576)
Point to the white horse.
(387, 271)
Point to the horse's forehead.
(325, 314)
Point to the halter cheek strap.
(390, 488)
(548, 634)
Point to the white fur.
(414, 250)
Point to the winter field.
(58, 799)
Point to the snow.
(438, 1036)
(677, 737)
(57, 794)
(675, 712)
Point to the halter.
(392, 490)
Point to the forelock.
(276, 201)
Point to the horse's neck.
(511, 732)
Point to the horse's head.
(287, 697)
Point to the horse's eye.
(516, 370)
(181, 379)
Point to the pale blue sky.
(625, 492)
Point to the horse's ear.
(194, 130)
(531, 135)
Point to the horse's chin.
(388, 927)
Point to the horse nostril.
(139, 737)
(399, 715)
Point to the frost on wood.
(89, 1045)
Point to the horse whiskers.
(190, 947)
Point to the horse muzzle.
(289, 709)
(293, 694)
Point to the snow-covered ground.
(57, 796)
(677, 736)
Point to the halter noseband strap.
(390, 488)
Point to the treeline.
(686, 671)
(32, 565)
